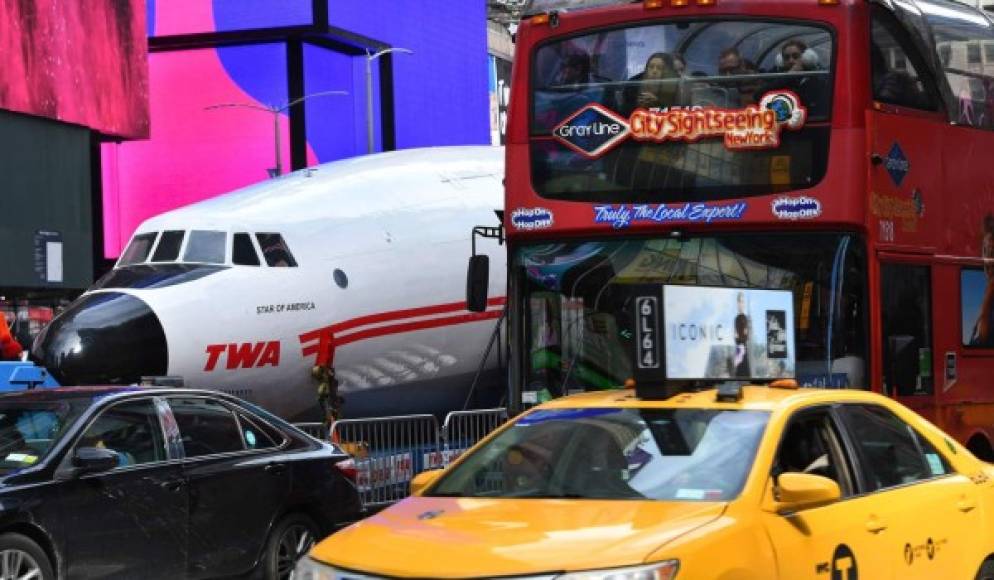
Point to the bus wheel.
(981, 447)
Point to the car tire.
(986, 571)
(20, 557)
(291, 538)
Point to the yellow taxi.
(735, 483)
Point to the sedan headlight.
(658, 571)
(310, 569)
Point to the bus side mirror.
(477, 282)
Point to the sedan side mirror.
(798, 491)
(477, 281)
(94, 459)
(422, 480)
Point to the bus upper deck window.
(169, 245)
(275, 250)
(139, 248)
(242, 251)
(205, 247)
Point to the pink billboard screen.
(77, 62)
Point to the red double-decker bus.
(841, 150)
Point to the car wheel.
(292, 537)
(21, 557)
(986, 571)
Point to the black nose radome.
(105, 338)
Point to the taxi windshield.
(28, 430)
(610, 453)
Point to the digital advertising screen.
(727, 333)
(77, 62)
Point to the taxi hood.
(436, 537)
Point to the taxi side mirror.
(798, 491)
(423, 480)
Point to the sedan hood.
(474, 537)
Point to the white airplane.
(241, 292)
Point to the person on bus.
(567, 91)
(731, 63)
(679, 65)
(649, 89)
(796, 57)
(10, 349)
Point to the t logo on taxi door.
(844, 564)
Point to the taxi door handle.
(875, 525)
(965, 505)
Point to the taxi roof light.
(784, 384)
(729, 392)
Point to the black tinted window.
(889, 450)
(242, 252)
(276, 251)
(168, 248)
(131, 429)
(207, 427)
(907, 325)
(896, 67)
(254, 435)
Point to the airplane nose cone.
(106, 338)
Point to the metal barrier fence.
(389, 451)
(463, 429)
(315, 430)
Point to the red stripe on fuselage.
(334, 330)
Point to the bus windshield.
(578, 312)
(682, 111)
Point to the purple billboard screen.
(171, 17)
(440, 97)
(76, 62)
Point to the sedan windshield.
(604, 453)
(28, 430)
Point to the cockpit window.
(276, 251)
(168, 248)
(243, 252)
(206, 247)
(138, 249)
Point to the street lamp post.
(276, 111)
(370, 57)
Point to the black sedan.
(129, 482)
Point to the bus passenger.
(679, 65)
(651, 90)
(731, 63)
(796, 57)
